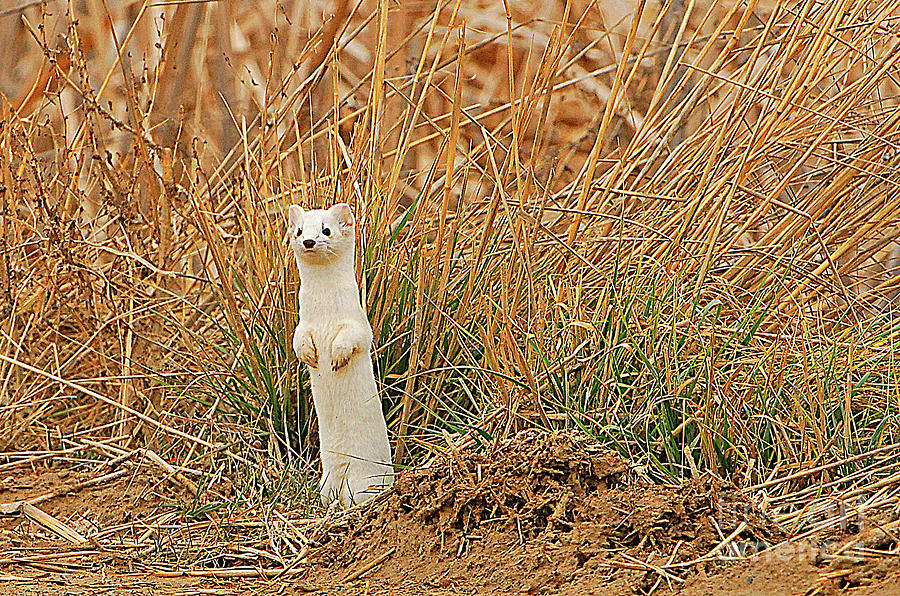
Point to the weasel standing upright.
(334, 340)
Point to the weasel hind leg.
(366, 479)
(333, 487)
(353, 483)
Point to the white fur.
(334, 340)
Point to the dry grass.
(677, 232)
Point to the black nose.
(309, 243)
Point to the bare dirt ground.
(537, 514)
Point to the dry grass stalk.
(51, 523)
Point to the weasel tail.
(334, 341)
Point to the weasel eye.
(299, 232)
(326, 231)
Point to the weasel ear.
(294, 217)
(343, 215)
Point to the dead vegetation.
(670, 225)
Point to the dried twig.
(354, 575)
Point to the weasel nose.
(309, 243)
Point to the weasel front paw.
(341, 354)
(305, 348)
(308, 355)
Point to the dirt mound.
(536, 513)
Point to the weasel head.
(321, 236)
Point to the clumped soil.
(537, 513)
(541, 513)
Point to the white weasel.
(334, 340)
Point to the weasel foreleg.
(305, 347)
(351, 338)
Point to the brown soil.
(536, 514)
(121, 501)
(801, 569)
(539, 514)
